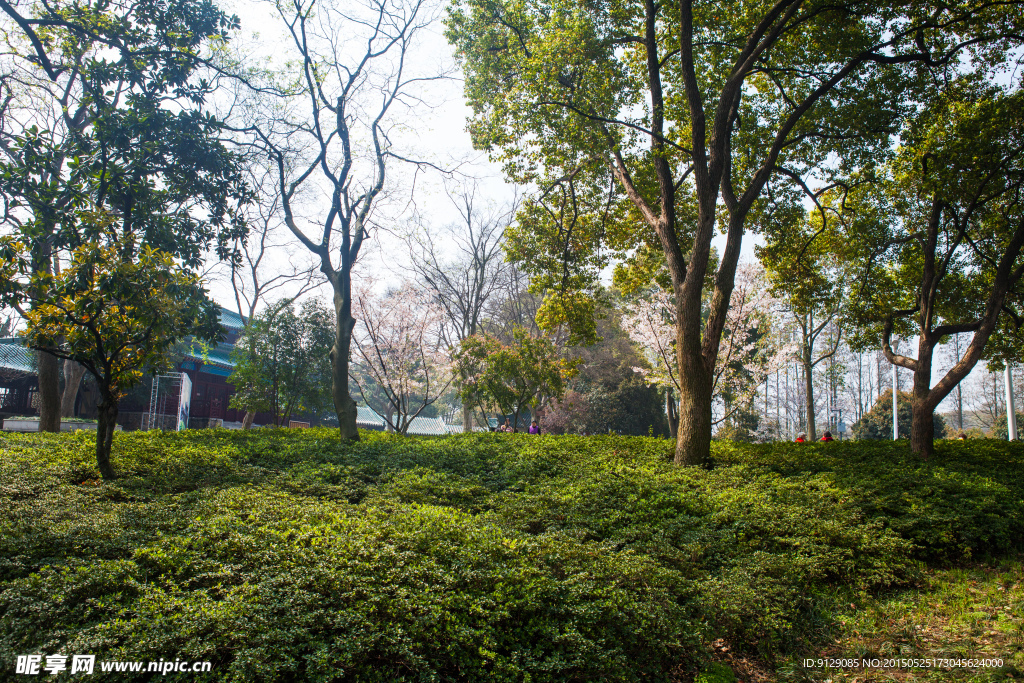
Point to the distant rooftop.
(15, 358)
(428, 426)
(231, 320)
(368, 418)
(216, 359)
(214, 355)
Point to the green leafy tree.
(692, 113)
(632, 407)
(116, 317)
(282, 362)
(938, 240)
(1002, 430)
(551, 242)
(101, 107)
(876, 424)
(512, 377)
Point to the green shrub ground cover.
(290, 556)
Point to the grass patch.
(973, 612)
(285, 555)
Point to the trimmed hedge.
(285, 555)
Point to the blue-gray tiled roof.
(15, 358)
(231, 320)
(428, 426)
(367, 417)
(216, 359)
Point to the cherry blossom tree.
(650, 322)
(401, 364)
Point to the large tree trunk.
(809, 389)
(467, 419)
(922, 404)
(73, 373)
(693, 438)
(696, 379)
(922, 428)
(48, 365)
(250, 415)
(344, 404)
(107, 423)
(49, 392)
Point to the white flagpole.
(1011, 410)
(895, 407)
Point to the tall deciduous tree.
(939, 240)
(695, 109)
(354, 74)
(463, 267)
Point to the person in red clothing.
(827, 436)
(801, 437)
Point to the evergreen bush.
(284, 555)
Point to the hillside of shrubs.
(287, 555)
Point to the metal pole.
(895, 408)
(154, 392)
(788, 422)
(1011, 410)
